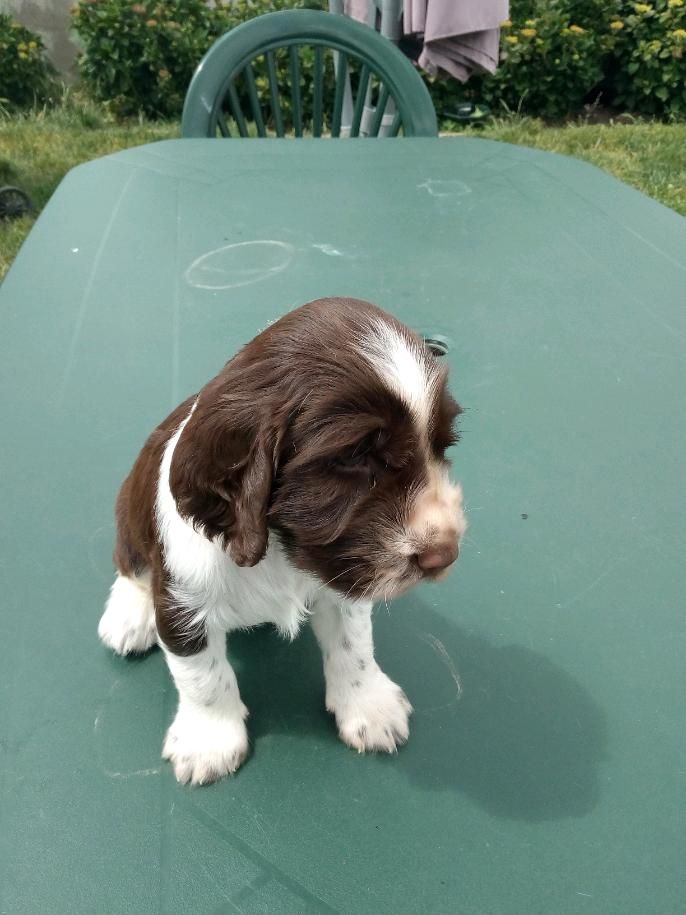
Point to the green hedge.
(558, 54)
(26, 78)
(649, 58)
(139, 55)
(549, 65)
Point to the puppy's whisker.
(344, 572)
(372, 585)
(352, 587)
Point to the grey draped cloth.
(460, 37)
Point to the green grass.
(37, 150)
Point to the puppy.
(304, 482)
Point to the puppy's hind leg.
(128, 624)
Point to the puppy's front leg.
(371, 710)
(208, 738)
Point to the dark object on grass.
(468, 113)
(14, 203)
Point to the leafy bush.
(551, 57)
(556, 54)
(140, 56)
(548, 66)
(587, 13)
(25, 75)
(649, 57)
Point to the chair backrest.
(274, 75)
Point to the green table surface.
(545, 770)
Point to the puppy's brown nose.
(438, 557)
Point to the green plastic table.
(545, 769)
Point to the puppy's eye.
(360, 458)
(444, 434)
(442, 442)
(353, 461)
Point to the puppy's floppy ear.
(222, 472)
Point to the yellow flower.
(151, 23)
(530, 22)
(674, 3)
(617, 24)
(576, 29)
(33, 45)
(506, 25)
(642, 7)
(23, 56)
(679, 33)
(528, 33)
(512, 39)
(21, 46)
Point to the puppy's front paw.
(205, 747)
(372, 714)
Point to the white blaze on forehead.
(401, 364)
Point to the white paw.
(128, 623)
(372, 714)
(205, 746)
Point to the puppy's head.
(331, 429)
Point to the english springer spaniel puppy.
(304, 482)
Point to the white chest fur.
(208, 582)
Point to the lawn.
(36, 151)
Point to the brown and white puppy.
(304, 482)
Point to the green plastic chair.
(272, 75)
